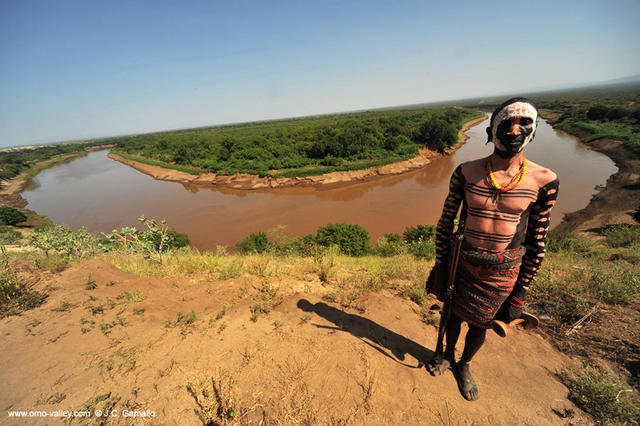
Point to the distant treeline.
(14, 162)
(303, 146)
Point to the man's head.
(513, 126)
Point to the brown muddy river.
(102, 194)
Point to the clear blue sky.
(81, 69)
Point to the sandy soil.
(247, 181)
(305, 362)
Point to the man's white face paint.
(513, 114)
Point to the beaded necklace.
(515, 181)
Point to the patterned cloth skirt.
(484, 280)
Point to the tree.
(11, 216)
(254, 243)
(438, 134)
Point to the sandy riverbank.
(248, 181)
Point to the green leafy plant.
(353, 240)
(622, 235)
(254, 243)
(61, 239)
(413, 234)
(11, 216)
(390, 245)
(152, 242)
(9, 235)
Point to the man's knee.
(477, 331)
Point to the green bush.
(173, 239)
(390, 245)
(254, 243)
(353, 240)
(420, 240)
(425, 249)
(622, 235)
(152, 243)
(61, 239)
(9, 235)
(303, 246)
(567, 242)
(11, 216)
(413, 234)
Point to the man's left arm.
(537, 229)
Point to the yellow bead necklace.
(515, 181)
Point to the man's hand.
(508, 312)
(437, 281)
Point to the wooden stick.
(578, 323)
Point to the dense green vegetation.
(17, 161)
(301, 146)
(11, 216)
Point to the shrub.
(566, 242)
(11, 216)
(390, 245)
(420, 240)
(622, 235)
(254, 243)
(425, 249)
(413, 234)
(62, 239)
(304, 246)
(152, 242)
(9, 235)
(173, 239)
(353, 240)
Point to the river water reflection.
(102, 194)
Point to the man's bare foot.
(439, 364)
(466, 384)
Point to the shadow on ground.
(378, 337)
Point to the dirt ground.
(307, 361)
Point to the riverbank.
(334, 179)
(617, 200)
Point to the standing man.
(506, 203)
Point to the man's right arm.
(449, 212)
